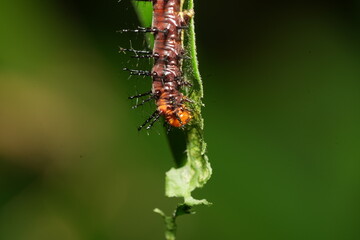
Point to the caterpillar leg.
(186, 17)
(182, 82)
(182, 27)
(186, 99)
(183, 56)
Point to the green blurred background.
(282, 123)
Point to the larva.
(168, 53)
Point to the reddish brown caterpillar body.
(168, 53)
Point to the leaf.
(192, 169)
(181, 181)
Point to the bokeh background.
(282, 123)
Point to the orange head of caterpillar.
(179, 118)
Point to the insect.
(168, 24)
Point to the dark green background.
(282, 123)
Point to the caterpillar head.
(173, 109)
(178, 118)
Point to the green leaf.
(192, 168)
(195, 170)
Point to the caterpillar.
(168, 53)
